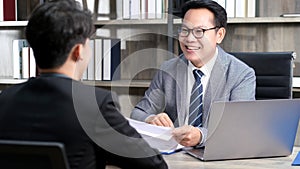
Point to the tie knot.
(198, 74)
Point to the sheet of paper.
(157, 137)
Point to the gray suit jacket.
(230, 80)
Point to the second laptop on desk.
(250, 129)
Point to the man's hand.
(161, 119)
(187, 135)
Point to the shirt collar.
(54, 75)
(206, 68)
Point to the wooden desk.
(183, 161)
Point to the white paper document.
(157, 137)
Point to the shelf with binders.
(250, 34)
(164, 21)
(148, 39)
(236, 20)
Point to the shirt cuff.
(203, 132)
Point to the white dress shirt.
(206, 70)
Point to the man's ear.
(76, 52)
(220, 35)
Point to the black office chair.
(32, 155)
(274, 73)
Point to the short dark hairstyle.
(218, 11)
(54, 28)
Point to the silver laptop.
(250, 129)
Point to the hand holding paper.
(161, 119)
(187, 135)
(157, 137)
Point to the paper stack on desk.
(157, 137)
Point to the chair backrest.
(274, 73)
(32, 155)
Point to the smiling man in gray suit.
(223, 77)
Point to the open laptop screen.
(251, 129)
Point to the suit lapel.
(216, 82)
(181, 90)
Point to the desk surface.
(183, 161)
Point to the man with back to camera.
(55, 106)
(181, 93)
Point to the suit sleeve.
(153, 101)
(121, 143)
(245, 88)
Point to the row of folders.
(17, 10)
(156, 9)
(104, 62)
(128, 9)
(239, 8)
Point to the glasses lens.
(183, 31)
(198, 32)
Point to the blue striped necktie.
(196, 105)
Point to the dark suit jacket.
(86, 119)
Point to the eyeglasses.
(197, 32)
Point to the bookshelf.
(239, 30)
